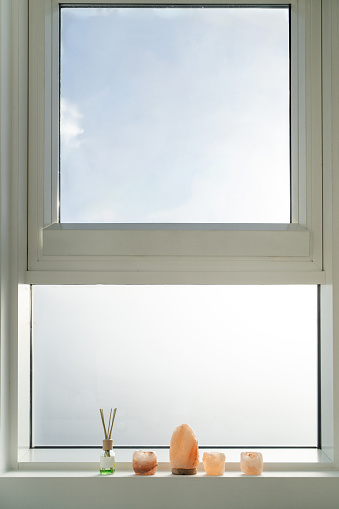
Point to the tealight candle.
(214, 463)
(251, 463)
(145, 462)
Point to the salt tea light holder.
(145, 462)
(251, 463)
(214, 463)
(107, 457)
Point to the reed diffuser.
(107, 457)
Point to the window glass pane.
(175, 115)
(238, 363)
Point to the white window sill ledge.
(85, 463)
(73, 474)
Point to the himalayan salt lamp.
(251, 463)
(214, 463)
(184, 452)
(145, 462)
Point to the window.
(239, 363)
(188, 251)
(174, 115)
(72, 245)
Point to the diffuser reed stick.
(109, 429)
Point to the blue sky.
(174, 115)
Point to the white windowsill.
(85, 463)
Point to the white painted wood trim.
(212, 243)
(49, 244)
(175, 2)
(84, 460)
(137, 277)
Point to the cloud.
(70, 123)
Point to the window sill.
(251, 240)
(85, 462)
(311, 484)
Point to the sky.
(174, 115)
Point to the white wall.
(5, 125)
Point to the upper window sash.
(294, 248)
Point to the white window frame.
(175, 253)
(292, 483)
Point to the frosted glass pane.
(175, 115)
(238, 363)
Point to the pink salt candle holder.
(145, 462)
(214, 463)
(251, 463)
